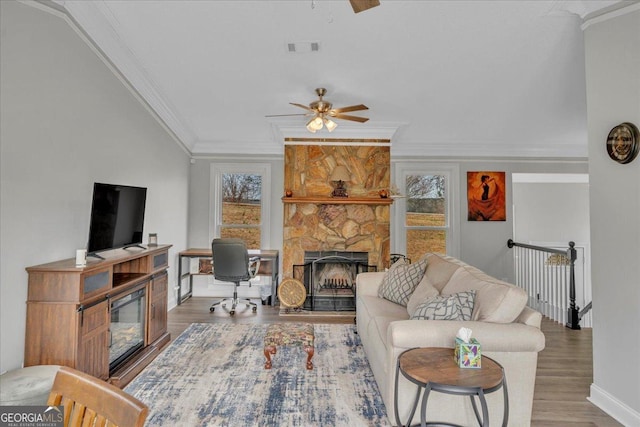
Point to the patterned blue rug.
(213, 375)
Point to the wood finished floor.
(564, 375)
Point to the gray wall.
(555, 213)
(551, 212)
(201, 200)
(612, 50)
(483, 244)
(66, 122)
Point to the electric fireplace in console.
(330, 278)
(110, 315)
(126, 332)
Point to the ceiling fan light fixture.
(330, 124)
(310, 126)
(315, 124)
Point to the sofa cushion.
(458, 306)
(440, 269)
(401, 280)
(495, 301)
(423, 292)
(375, 306)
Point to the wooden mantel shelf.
(339, 200)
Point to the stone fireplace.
(315, 222)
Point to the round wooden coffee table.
(433, 369)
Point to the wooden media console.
(71, 312)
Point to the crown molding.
(493, 149)
(248, 148)
(283, 131)
(609, 13)
(418, 149)
(93, 21)
(338, 141)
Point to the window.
(241, 203)
(425, 216)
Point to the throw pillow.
(451, 307)
(401, 280)
(466, 300)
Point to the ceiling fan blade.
(348, 117)
(285, 115)
(358, 107)
(362, 5)
(301, 106)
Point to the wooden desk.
(433, 369)
(269, 266)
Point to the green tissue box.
(467, 355)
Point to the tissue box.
(467, 355)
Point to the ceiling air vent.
(302, 47)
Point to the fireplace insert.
(330, 278)
(128, 314)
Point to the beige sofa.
(508, 331)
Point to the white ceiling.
(473, 78)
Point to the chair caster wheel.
(212, 309)
(232, 312)
(255, 309)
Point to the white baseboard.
(612, 406)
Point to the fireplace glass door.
(330, 279)
(127, 327)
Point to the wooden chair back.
(89, 401)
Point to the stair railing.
(532, 273)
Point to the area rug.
(213, 375)
(302, 312)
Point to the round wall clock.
(623, 143)
(291, 293)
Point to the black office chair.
(231, 263)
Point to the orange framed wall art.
(486, 198)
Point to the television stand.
(69, 312)
(95, 256)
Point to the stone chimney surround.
(314, 221)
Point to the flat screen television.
(117, 217)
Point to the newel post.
(573, 315)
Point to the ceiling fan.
(322, 112)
